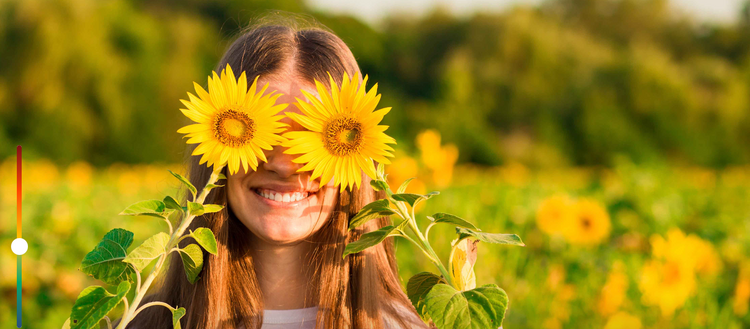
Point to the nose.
(281, 163)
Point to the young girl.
(279, 262)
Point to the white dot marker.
(19, 246)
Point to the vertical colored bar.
(18, 293)
(18, 188)
(19, 268)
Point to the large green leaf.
(368, 240)
(498, 238)
(192, 261)
(152, 248)
(372, 210)
(451, 219)
(413, 199)
(105, 261)
(177, 314)
(153, 208)
(94, 303)
(205, 237)
(186, 182)
(418, 287)
(480, 308)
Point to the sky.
(373, 11)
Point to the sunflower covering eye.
(344, 136)
(233, 124)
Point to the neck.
(284, 275)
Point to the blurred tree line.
(569, 82)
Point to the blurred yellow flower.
(590, 223)
(742, 291)
(622, 320)
(233, 124)
(79, 175)
(669, 279)
(345, 134)
(667, 284)
(440, 160)
(554, 213)
(402, 168)
(614, 290)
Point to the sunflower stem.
(173, 241)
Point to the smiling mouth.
(288, 197)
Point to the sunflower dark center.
(233, 128)
(343, 136)
(586, 222)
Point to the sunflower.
(344, 136)
(233, 124)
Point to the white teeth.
(283, 197)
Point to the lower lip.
(279, 204)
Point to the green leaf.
(171, 203)
(205, 237)
(413, 199)
(94, 303)
(479, 308)
(195, 209)
(212, 186)
(154, 208)
(105, 261)
(380, 169)
(222, 176)
(368, 240)
(192, 261)
(378, 185)
(402, 188)
(418, 287)
(152, 248)
(177, 314)
(211, 208)
(186, 182)
(498, 238)
(372, 210)
(451, 219)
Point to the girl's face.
(275, 202)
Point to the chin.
(285, 230)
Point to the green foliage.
(413, 199)
(192, 261)
(205, 238)
(379, 208)
(177, 314)
(187, 183)
(451, 219)
(105, 262)
(144, 254)
(418, 287)
(479, 308)
(511, 239)
(94, 303)
(154, 208)
(368, 240)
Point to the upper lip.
(285, 188)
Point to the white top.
(303, 318)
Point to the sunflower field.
(623, 247)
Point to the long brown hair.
(356, 292)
